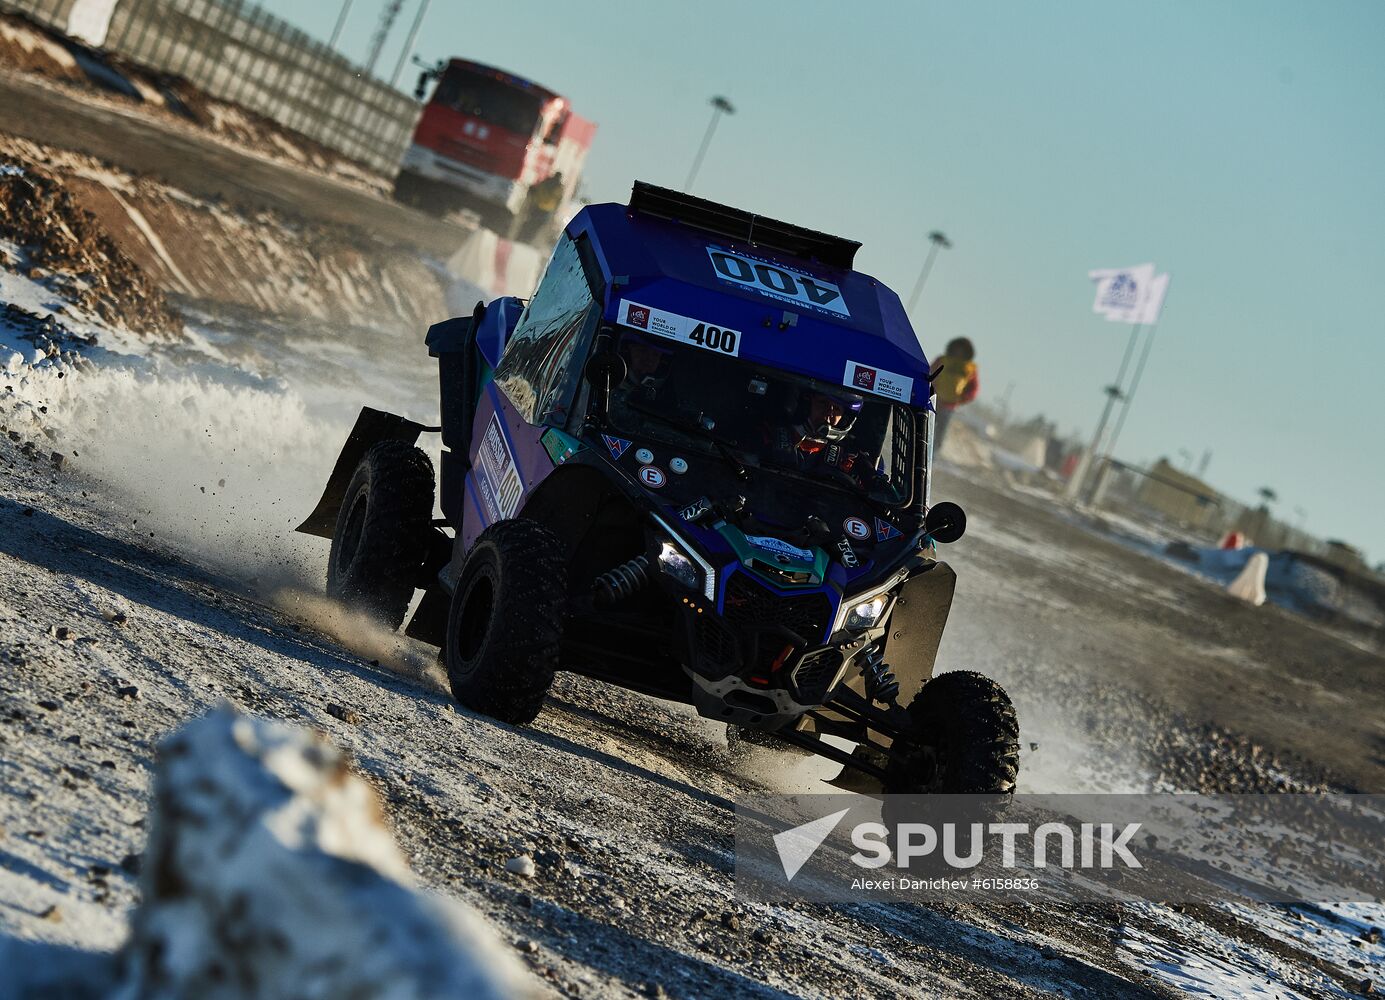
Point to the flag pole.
(1084, 465)
(1079, 474)
(1134, 385)
(1100, 490)
(1129, 352)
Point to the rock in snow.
(270, 873)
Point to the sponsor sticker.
(684, 329)
(652, 476)
(884, 530)
(644, 456)
(693, 511)
(856, 528)
(616, 446)
(878, 381)
(777, 281)
(847, 553)
(678, 465)
(498, 481)
(779, 547)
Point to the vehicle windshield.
(707, 401)
(485, 97)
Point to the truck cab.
(485, 139)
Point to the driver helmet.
(829, 416)
(647, 362)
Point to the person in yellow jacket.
(543, 201)
(957, 383)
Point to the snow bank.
(270, 873)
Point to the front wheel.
(382, 532)
(505, 621)
(963, 740)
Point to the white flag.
(89, 20)
(1121, 291)
(1154, 300)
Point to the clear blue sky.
(1238, 145)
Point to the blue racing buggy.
(694, 464)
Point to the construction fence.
(241, 53)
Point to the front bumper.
(766, 659)
(490, 187)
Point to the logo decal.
(884, 530)
(797, 845)
(644, 456)
(1121, 293)
(495, 475)
(638, 316)
(848, 554)
(878, 381)
(856, 528)
(779, 547)
(652, 476)
(616, 446)
(693, 511)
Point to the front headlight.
(683, 564)
(678, 566)
(867, 613)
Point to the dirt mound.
(30, 49)
(106, 77)
(68, 249)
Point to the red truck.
(495, 143)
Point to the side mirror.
(945, 522)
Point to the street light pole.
(409, 42)
(940, 242)
(720, 105)
(341, 21)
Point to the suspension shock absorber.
(880, 682)
(617, 584)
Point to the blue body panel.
(669, 266)
(496, 327)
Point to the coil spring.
(881, 684)
(621, 582)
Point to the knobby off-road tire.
(506, 621)
(967, 740)
(382, 532)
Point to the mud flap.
(429, 623)
(916, 631)
(372, 426)
(916, 627)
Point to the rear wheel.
(505, 621)
(382, 532)
(964, 740)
